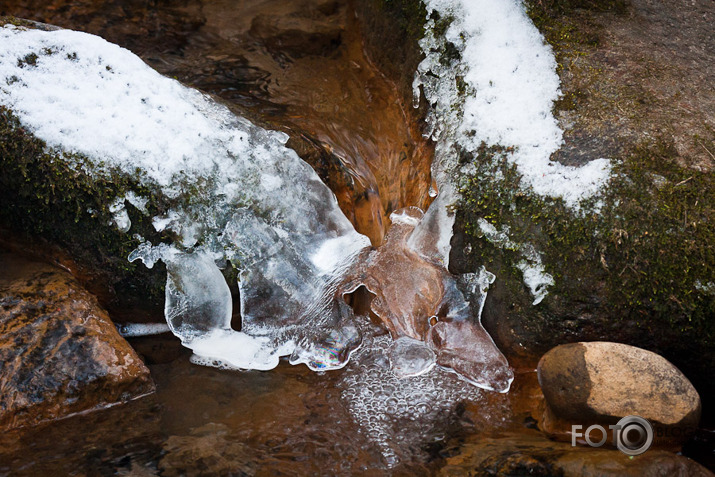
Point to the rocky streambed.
(632, 264)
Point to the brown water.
(297, 66)
(203, 421)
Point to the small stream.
(299, 67)
(204, 421)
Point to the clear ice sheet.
(235, 195)
(418, 300)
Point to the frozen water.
(234, 195)
(128, 330)
(410, 357)
(331, 349)
(401, 413)
(536, 279)
(531, 267)
(234, 192)
(418, 299)
(198, 299)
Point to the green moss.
(47, 194)
(29, 60)
(19, 22)
(659, 236)
(641, 254)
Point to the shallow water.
(289, 421)
(361, 420)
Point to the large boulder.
(61, 354)
(601, 382)
(636, 264)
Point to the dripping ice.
(239, 197)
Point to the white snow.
(332, 253)
(120, 215)
(230, 349)
(499, 93)
(402, 217)
(536, 279)
(510, 75)
(705, 287)
(235, 192)
(532, 268)
(137, 201)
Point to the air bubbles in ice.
(410, 357)
(398, 413)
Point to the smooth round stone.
(601, 382)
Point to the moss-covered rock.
(635, 264)
(46, 196)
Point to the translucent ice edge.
(128, 330)
(236, 194)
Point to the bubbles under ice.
(399, 412)
(234, 195)
(410, 357)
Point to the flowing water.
(396, 405)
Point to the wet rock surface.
(601, 382)
(529, 453)
(633, 76)
(61, 354)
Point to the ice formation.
(417, 298)
(400, 413)
(237, 194)
(128, 330)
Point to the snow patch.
(532, 268)
(536, 279)
(501, 92)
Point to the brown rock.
(601, 382)
(529, 453)
(60, 352)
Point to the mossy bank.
(49, 201)
(636, 264)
